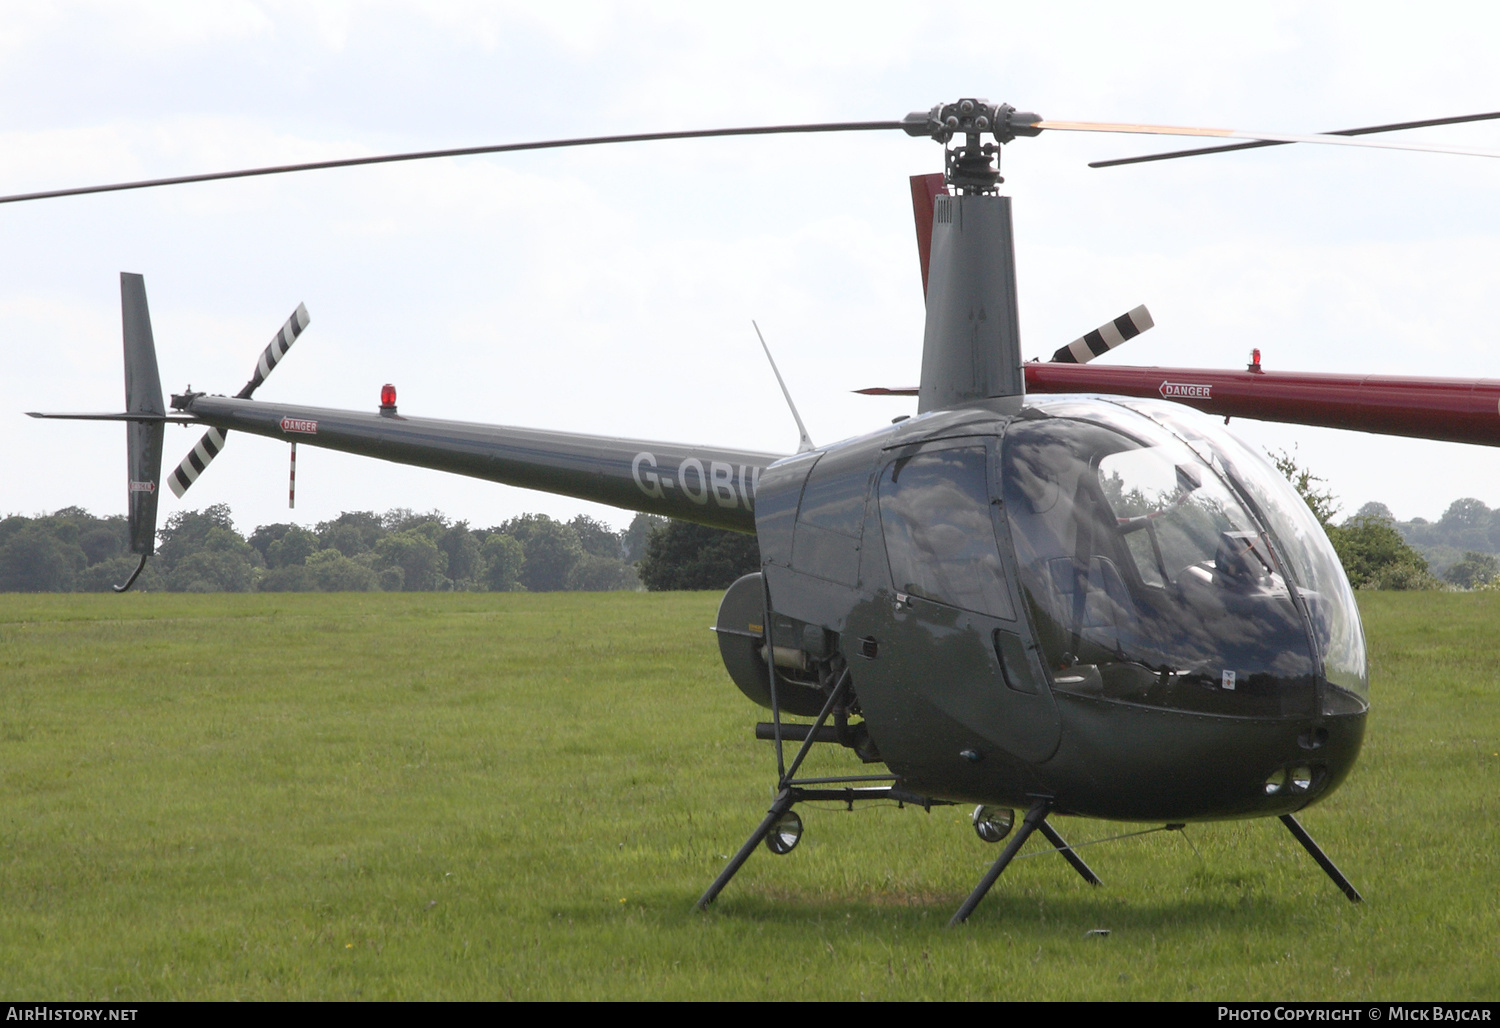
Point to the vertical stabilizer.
(142, 396)
(971, 349)
(925, 189)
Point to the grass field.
(489, 796)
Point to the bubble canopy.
(1163, 563)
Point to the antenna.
(806, 442)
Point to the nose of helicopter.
(1139, 764)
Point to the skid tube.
(793, 794)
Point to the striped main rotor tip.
(1105, 338)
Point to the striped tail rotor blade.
(275, 350)
(197, 459)
(1105, 338)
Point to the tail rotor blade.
(280, 343)
(198, 458)
(1105, 338)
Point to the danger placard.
(1186, 391)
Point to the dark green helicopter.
(1080, 604)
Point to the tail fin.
(143, 438)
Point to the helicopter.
(1056, 589)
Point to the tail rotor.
(201, 455)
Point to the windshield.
(1316, 572)
(1147, 579)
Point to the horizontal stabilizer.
(142, 416)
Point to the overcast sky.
(611, 290)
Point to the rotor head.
(973, 166)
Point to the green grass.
(509, 796)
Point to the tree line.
(401, 550)
(1379, 552)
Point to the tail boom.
(705, 485)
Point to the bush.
(1371, 549)
(1476, 569)
(332, 572)
(1405, 576)
(682, 555)
(211, 571)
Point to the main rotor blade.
(1396, 127)
(422, 155)
(1270, 137)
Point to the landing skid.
(1036, 820)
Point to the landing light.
(1301, 779)
(785, 834)
(993, 823)
(1275, 782)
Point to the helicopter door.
(952, 645)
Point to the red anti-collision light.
(388, 395)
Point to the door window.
(939, 534)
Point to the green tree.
(465, 562)
(104, 539)
(597, 538)
(265, 535)
(552, 549)
(504, 557)
(353, 532)
(423, 565)
(213, 569)
(1474, 570)
(332, 572)
(1371, 549)
(33, 560)
(634, 538)
(682, 555)
(201, 552)
(1320, 501)
(293, 548)
(188, 531)
(1466, 524)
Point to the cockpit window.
(1148, 581)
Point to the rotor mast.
(971, 347)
